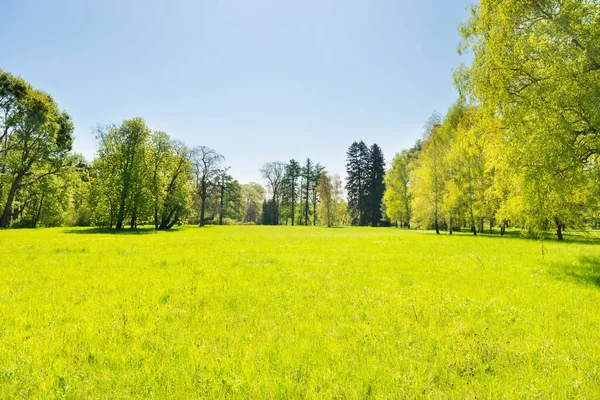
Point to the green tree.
(121, 172)
(273, 173)
(536, 65)
(253, 196)
(357, 168)
(397, 196)
(206, 163)
(375, 184)
(429, 176)
(171, 176)
(290, 188)
(35, 140)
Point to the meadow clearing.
(287, 312)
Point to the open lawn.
(283, 312)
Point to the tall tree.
(273, 173)
(357, 168)
(307, 175)
(331, 207)
(397, 197)
(171, 175)
(35, 139)
(290, 186)
(536, 64)
(230, 196)
(316, 179)
(376, 185)
(121, 162)
(429, 176)
(253, 196)
(205, 163)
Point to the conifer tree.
(357, 168)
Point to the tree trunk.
(6, 214)
(121, 212)
(221, 204)
(38, 214)
(559, 228)
(202, 203)
(133, 215)
(155, 216)
(306, 206)
(471, 200)
(314, 208)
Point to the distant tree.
(332, 207)
(325, 190)
(357, 168)
(230, 197)
(205, 163)
(429, 176)
(290, 188)
(307, 175)
(316, 178)
(273, 173)
(253, 196)
(269, 213)
(375, 184)
(397, 197)
(171, 176)
(120, 169)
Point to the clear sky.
(257, 80)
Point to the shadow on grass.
(585, 270)
(107, 231)
(588, 238)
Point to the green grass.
(282, 312)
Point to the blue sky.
(257, 80)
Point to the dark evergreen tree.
(316, 178)
(307, 174)
(290, 188)
(357, 167)
(376, 186)
(269, 213)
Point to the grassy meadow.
(282, 312)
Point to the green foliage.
(35, 140)
(397, 197)
(253, 195)
(536, 72)
(364, 184)
(332, 209)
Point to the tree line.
(302, 195)
(520, 148)
(140, 176)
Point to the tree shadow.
(587, 238)
(108, 231)
(585, 270)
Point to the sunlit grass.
(280, 312)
